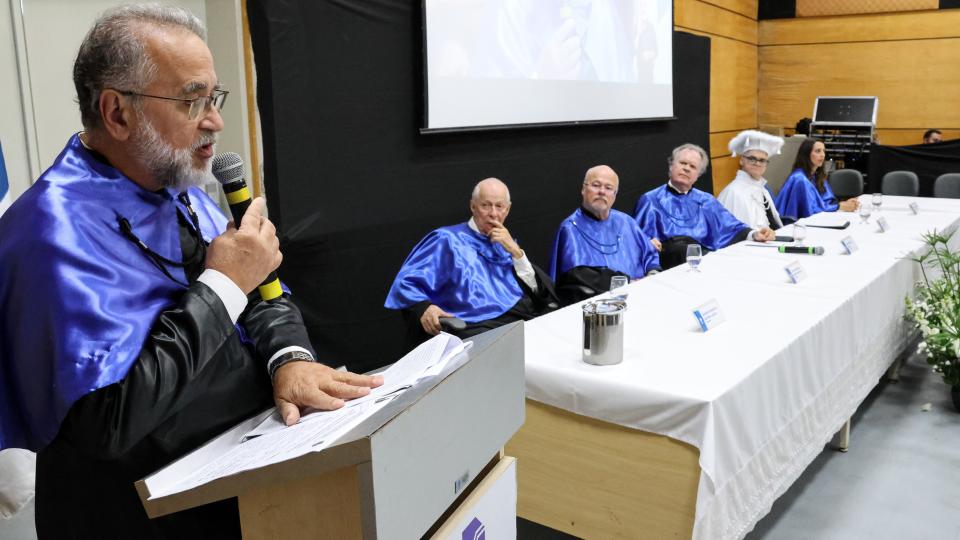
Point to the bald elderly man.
(474, 271)
(596, 242)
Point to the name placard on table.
(849, 245)
(884, 226)
(709, 314)
(796, 272)
(915, 208)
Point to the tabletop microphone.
(812, 250)
(228, 170)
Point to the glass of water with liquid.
(877, 200)
(694, 254)
(799, 233)
(618, 282)
(865, 212)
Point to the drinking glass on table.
(877, 200)
(618, 282)
(694, 255)
(865, 213)
(799, 233)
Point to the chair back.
(846, 183)
(947, 186)
(781, 165)
(900, 183)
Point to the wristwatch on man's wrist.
(286, 358)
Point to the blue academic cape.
(663, 214)
(799, 197)
(78, 298)
(460, 271)
(616, 243)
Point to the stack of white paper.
(272, 441)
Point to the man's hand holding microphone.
(247, 254)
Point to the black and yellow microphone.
(228, 169)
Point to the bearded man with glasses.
(596, 242)
(747, 197)
(127, 337)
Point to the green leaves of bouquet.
(936, 307)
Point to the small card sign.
(796, 272)
(709, 315)
(915, 208)
(882, 222)
(849, 245)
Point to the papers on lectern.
(272, 442)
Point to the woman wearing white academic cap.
(747, 197)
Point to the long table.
(696, 434)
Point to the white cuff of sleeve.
(232, 296)
(753, 234)
(525, 271)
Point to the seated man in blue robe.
(474, 271)
(596, 242)
(127, 337)
(676, 214)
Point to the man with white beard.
(127, 337)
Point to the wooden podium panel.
(296, 510)
(594, 479)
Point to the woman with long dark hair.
(806, 191)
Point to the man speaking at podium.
(126, 340)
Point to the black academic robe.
(193, 379)
(582, 282)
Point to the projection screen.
(496, 63)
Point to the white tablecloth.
(760, 394)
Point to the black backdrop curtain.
(927, 160)
(353, 185)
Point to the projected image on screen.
(509, 62)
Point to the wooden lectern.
(394, 475)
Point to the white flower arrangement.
(936, 308)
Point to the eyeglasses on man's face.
(599, 187)
(198, 105)
(753, 160)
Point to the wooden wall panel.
(720, 159)
(747, 8)
(899, 26)
(733, 90)
(724, 169)
(732, 28)
(710, 19)
(916, 81)
(821, 8)
(719, 142)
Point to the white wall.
(36, 123)
(13, 135)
